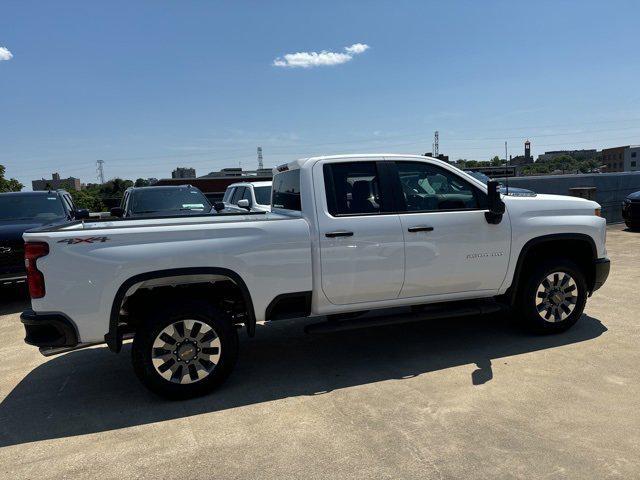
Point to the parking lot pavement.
(465, 398)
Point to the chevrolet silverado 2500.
(346, 234)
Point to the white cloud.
(356, 48)
(319, 59)
(5, 54)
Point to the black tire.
(527, 308)
(162, 317)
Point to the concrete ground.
(466, 398)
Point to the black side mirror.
(218, 206)
(496, 205)
(81, 214)
(117, 212)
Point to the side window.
(286, 190)
(247, 195)
(228, 194)
(427, 187)
(237, 195)
(352, 188)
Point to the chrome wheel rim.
(556, 297)
(187, 351)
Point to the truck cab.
(248, 196)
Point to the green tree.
(141, 182)
(496, 162)
(88, 199)
(8, 184)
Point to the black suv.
(21, 211)
(166, 201)
(631, 210)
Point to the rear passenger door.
(361, 241)
(449, 246)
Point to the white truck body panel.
(381, 265)
(82, 279)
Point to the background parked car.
(631, 210)
(22, 211)
(162, 201)
(503, 189)
(251, 196)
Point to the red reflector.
(32, 252)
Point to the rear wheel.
(552, 297)
(185, 351)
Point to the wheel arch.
(113, 338)
(586, 255)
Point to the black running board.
(427, 312)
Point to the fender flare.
(510, 294)
(113, 338)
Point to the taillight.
(35, 279)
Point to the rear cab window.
(286, 190)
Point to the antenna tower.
(100, 170)
(436, 146)
(260, 165)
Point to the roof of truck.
(353, 157)
(255, 184)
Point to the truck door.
(449, 246)
(361, 241)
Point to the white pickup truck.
(347, 234)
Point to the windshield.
(40, 208)
(168, 200)
(263, 195)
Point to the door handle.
(421, 228)
(340, 233)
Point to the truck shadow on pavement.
(93, 390)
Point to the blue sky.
(151, 85)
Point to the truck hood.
(12, 230)
(552, 204)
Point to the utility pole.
(507, 164)
(100, 171)
(260, 165)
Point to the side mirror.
(496, 205)
(117, 212)
(244, 203)
(218, 206)
(81, 214)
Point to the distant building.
(214, 184)
(621, 159)
(238, 172)
(55, 183)
(182, 172)
(577, 154)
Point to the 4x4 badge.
(74, 241)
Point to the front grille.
(11, 256)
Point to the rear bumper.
(49, 330)
(12, 277)
(601, 272)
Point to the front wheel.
(185, 351)
(552, 297)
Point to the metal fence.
(610, 188)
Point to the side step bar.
(427, 312)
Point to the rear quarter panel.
(272, 256)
